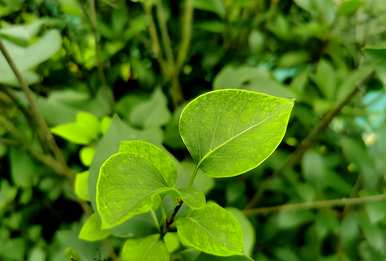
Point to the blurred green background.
(105, 70)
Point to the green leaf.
(85, 129)
(171, 241)
(201, 182)
(110, 143)
(151, 113)
(86, 154)
(212, 230)
(229, 132)
(29, 57)
(378, 58)
(138, 226)
(194, 199)
(91, 229)
(145, 249)
(250, 78)
(81, 185)
(215, 6)
(21, 33)
(159, 158)
(127, 185)
(24, 170)
(248, 230)
(206, 257)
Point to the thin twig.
(187, 21)
(169, 222)
(164, 33)
(155, 43)
(47, 160)
(312, 137)
(315, 205)
(93, 22)
(45, 134)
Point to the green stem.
(169, 222)
(194, 174)
(155, 219)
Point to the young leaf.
(194, 199)
(145, 249)
(91, 229)
(81, 185)
(229, 132)
(171, 241)
(86, 155)
(159, 158)
(127, 185)
(212, 230)
(82, 131)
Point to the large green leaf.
(145, 249)
(229, 132)
(159, 158)
(109, 144)
(127, 185)
(212, 230)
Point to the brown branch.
(47, 160)
(169, 222)
(315, 205)
(45, 135)
(312, 137)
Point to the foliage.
(135, 172)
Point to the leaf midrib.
(231, 139)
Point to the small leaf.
(91, 229)
(229, 132)
(81, 185)
(212, 230)
(172, 242)
(145, 249)
(151, 113)
(86, 154)
(159, 158)
(82, 131)
(249, 236)
(194, 199)
(127, 185)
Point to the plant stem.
(315, 205)
(187, 21)
(312, 137)
(164, 33)
(46, 137)
(170, 220)
(93, 22)
(155, 43)
(38, 155)
(155, 219)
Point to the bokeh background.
(104, 70)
